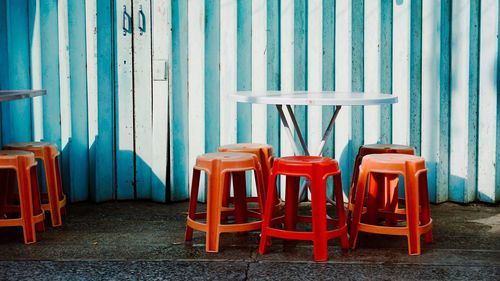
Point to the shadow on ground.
(144, 241)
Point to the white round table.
(287, 99)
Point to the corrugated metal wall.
(440, 57)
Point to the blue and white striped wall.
(440, 57)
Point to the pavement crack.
(246, 271)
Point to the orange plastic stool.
(387, 199)
(29, 207)
(264, 153)
(317, 169)
(219, 167)
(48, 154)
(412, 168)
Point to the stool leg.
(412, 211)
(352, 189)
(291, 202)
(318, 202)
(344, 239)
(193, 200)
(240, 197)
(268, 213)
(425, 205)
(214, 204)
(50, 174)
(392, 197)
(26, 204)
(35, 190)
(261, 189)
(376, 183)
(358, 208)
(226, 195)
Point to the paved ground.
(144, 241)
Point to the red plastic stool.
(219, 167)
(48, 154)
(387, 200)
(412, 168)
(317, 169)
(29, 206)
(264, 153)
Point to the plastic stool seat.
(317, 169)
(32, 216)
(48, 153)
(418, 222)
(219, 167)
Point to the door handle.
(142, 20)
(125, 21)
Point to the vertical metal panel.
(16, 115)
(386, 69)
(430, 90)
(124, 102)
(300, 61)
(459, 98)
(196, 90)
(212, 75)
(78, 162)
(143, 98)
(415, 74)
(357, 135)
(372, 68)
(64, 86)
(314, 70)
(227, 54)
(328, 69)
(179, 105)
(162, 42)
(244, 68)
(36, 68)
(488, 102)
(343, 74)
(4, 58)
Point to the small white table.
(20, 94)
(287, 99)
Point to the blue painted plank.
(179, 110)
(386, 69)
(441, 194)
(416, 75)
(124, 105)
(4, 59)
(497, 177)
(212, 75)
(300, 62)
(104, 145)
(78, 154)
(16, 115)
(357, 73)
(244, 70)
(470, 191)
(273, 71)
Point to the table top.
(313, 98)
(20, 94)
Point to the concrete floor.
(144, 241)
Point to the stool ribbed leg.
(268, 213)
(412, 210)
(358, 208)
(318, 202)
(392, 197)
(193, 200)
(37, 207)
(51, 176)
(240, 202)
(214, 204)
(291, 202)
(425, 205)
(375, 183)
(352, 189)
(26, 204)
(344, 239)
(261, 188)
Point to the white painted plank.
(488, 91)
(196, 78)
(401, 72)
(314, 71)
(430, 87)
(162, 42)
(459, 97)
(36, 69)
(287, 69)
(372, 68)
(227, 71)
(343, 78)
